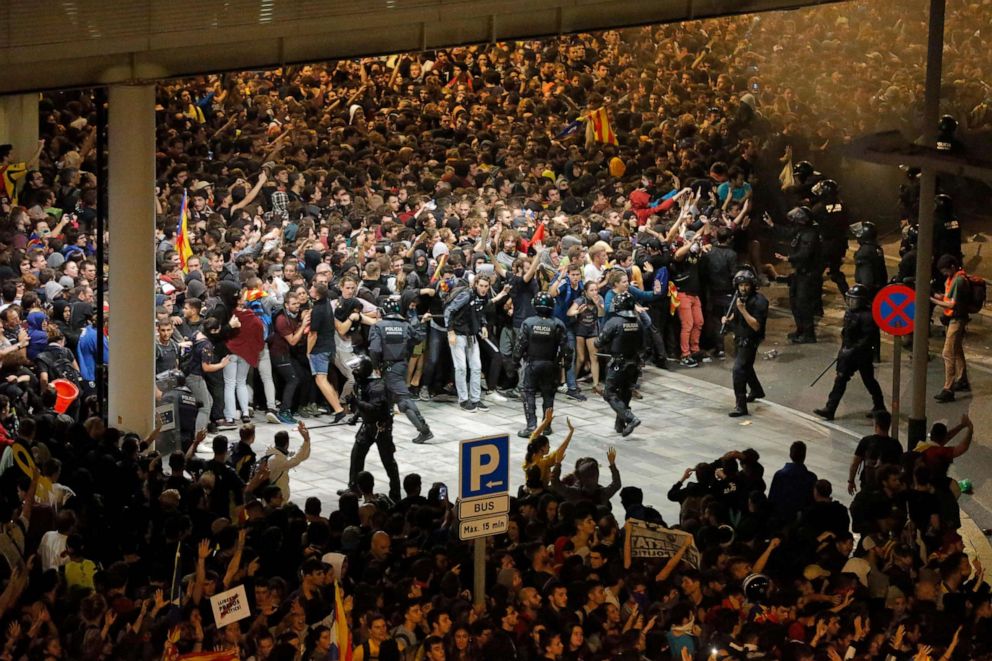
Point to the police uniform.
(834, 223)
(542, 343)
(805, 288)
(855, 355)
(870, 271)
(375, 409)
(746, 341)
(623, 338)
(391, 340)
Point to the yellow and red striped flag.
(342, 635)
(183, 246)
(598, 128)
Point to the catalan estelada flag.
(183, 246)
(598, 128)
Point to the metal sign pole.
(479, 575)
(896, 382)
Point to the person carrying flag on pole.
(183, 246)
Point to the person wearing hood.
(61, 311)
(37, 334)
(239, 336)
(640, 201)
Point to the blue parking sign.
(484, 466)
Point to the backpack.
(61, 366)
(259, 310)
(976, 293)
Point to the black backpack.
(60, 365)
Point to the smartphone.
(442, 493)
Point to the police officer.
(185, 409)
(805, 288)
(747, 319)
(623, 337)
(946, 229)
(374, 407)
(717, 269)
(870, 271)
(805, 177)
(543, 343)
(833, 222)
(855, 354)
(391, 340)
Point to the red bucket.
(66, 393)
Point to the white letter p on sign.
(484, 460)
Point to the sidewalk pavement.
(684, 422)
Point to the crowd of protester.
(463, 175)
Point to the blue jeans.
(236, 387)
(570, 372)
(468, 382)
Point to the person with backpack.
(57, 362)
(956, 304)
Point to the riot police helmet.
(827, 188)
(543, 303)
(746, 277)
(360, 366)
(803, 170)
(912, 235)
(868, 232)
(757, 587)
(391, 306)
(857, 297)
(943, 204)
(623, 304)
(800, 216)
(947, 125)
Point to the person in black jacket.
(542, 343)
(833, 222)
(870, 271)
(622, 337)
(391, 340)
(855, 354)
(717, 269)
(748, 318)
(805, 284)
(373, 405)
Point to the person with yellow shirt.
(539, 448)
(11, 173)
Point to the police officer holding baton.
(391, 340)
(747, 318)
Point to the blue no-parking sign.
(484, 466)
(893, 309)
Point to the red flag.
(536, 238)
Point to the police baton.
(832, 363)
(730, 309)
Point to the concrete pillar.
(131, 223)
(19, 124)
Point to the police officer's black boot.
(530, 414)
(741, 408)
(418, 421)
(827, 412)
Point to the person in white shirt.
(596, 267)
(280, 461)
(51, 550)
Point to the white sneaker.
(495, 396)
(563, 388)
